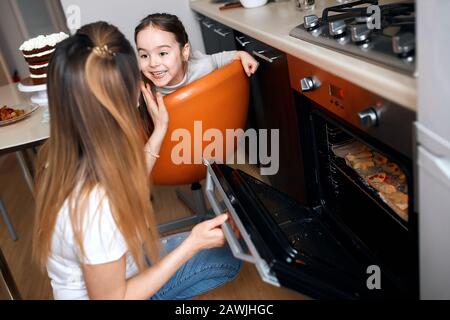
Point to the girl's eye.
(144, 56)
(162, 54)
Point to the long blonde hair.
(96, 139)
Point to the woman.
(94, 224)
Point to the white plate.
(28, 107)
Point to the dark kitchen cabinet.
(273, 108)
(271, 101)
(216, 36)
(279, 113)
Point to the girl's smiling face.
(161, 59)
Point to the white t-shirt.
(199, 65)
(102, 243)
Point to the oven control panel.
(359, 107)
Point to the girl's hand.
(248, 62)
(207, 234)
(156, 109)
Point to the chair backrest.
(218, 101)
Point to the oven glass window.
(378, 173)
(366, 189)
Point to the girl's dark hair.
(165, 22)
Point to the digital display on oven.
(336, 92)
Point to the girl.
(164, 54)
(95, 227)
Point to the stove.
(383, 34)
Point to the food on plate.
(392, 168)
(383, 187)
(378, 177)
(384, 176)
(399, 199)
(379, 159)
(402, 178)
(361, 155)
(363, 164)
(9, 113)
(37, 52)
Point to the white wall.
(127, 14)
(10, 39)
(19, 21)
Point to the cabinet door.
(255, 117)
(225, 37)
(216, 36)
(210, 38)
(275, 110)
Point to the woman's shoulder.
(90, 204)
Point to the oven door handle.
(235, 246)
(254, 257)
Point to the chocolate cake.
(37, 52)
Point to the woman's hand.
(207, 234)
(156, 108)
(248, 62)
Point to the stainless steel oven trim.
(254, 257)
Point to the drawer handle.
(219, 32)
(233, 242)
(206, 24)
(241, 41)
(260, 54)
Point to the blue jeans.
(207, 270)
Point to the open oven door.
(291, 245)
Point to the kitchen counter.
(272, 23)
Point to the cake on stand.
(26, 85)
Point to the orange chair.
(217, 101)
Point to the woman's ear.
(186, 52)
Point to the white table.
(19, 136)
(25, 133)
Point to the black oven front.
(356, 236)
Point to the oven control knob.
(360, 33)
(403, 43)
(311, 22)
(337, 28)
(368, 118)
(309, 84)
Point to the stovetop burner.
(384, 34)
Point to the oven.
(356, 235)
